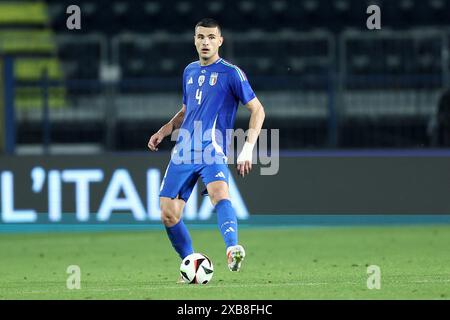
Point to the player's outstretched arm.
(244, 161)
(166, 129)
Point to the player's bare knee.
(169, 218)
(217, 195)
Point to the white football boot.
(235, 256)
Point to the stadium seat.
(25, 35)
(153, 17)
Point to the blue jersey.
(212, 94)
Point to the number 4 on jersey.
(198, 96)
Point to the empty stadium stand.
(325, 80)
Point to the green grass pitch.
(281, 263)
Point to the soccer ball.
(196, 268)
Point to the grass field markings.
(431, 281)
(180, 286)
(161, 285)
(209, 286)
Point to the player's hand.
(154, 141)
(244, 160)
(244, 168)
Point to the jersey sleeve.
(184, 87)
(240, 86)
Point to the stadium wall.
(124, 188)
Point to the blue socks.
(180, 238)
(227, 222)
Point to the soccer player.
(212, 89)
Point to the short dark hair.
(208, 23)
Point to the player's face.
(207, 42)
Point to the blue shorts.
(180, 179)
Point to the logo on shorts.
(213, 78)
(220, 175)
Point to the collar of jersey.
(209, 65)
